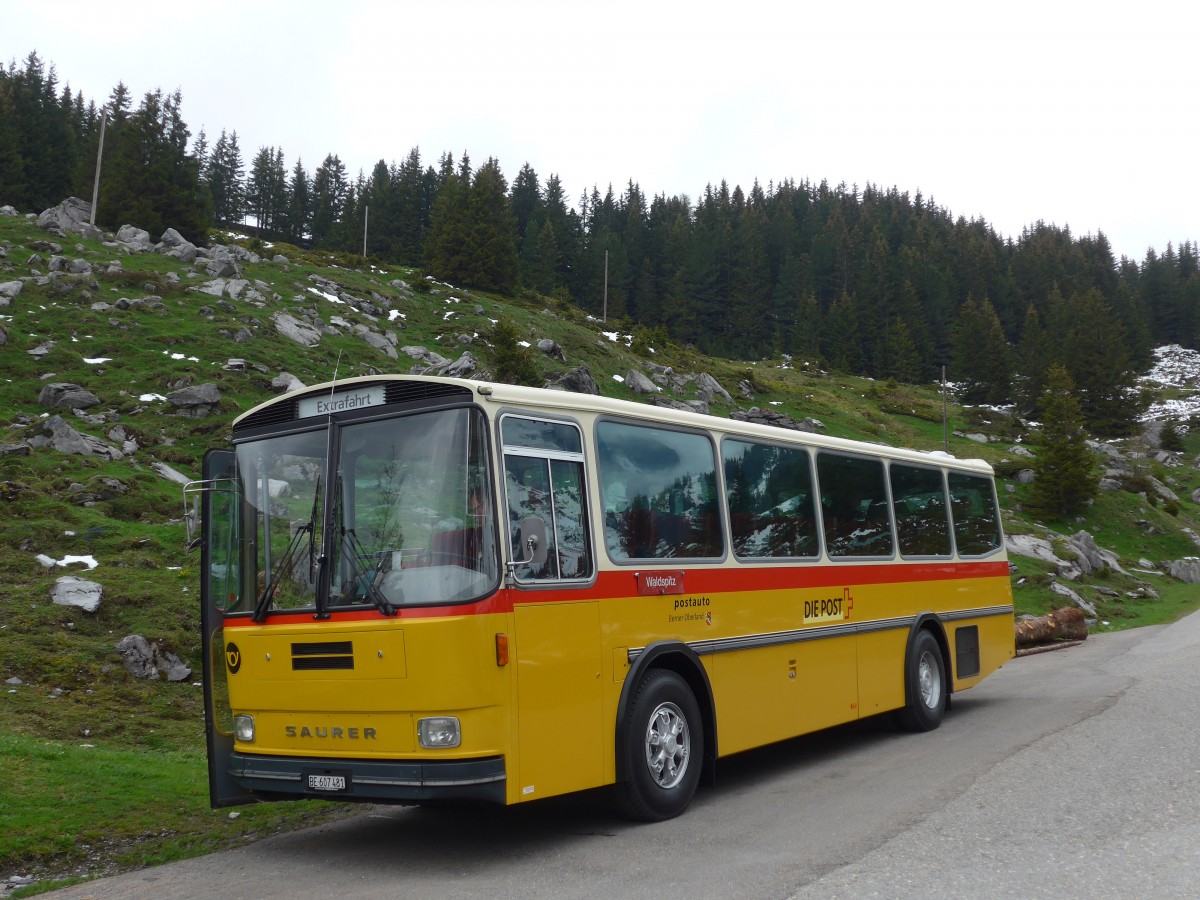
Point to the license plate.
(327, 782)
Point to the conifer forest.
(860, 279)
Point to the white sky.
(1081, 114)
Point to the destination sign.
(341, 401)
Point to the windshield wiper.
(285, 562)
(369, 572)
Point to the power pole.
(605, 319)
(99, 157)
(366, 211)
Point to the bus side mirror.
(533, 541)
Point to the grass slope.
(104, 772)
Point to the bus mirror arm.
(533, 537)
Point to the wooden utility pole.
(605, 318)
(366, 211)
(99, 157)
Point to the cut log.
(1065, 624)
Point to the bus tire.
(663, 748)
(925, 685)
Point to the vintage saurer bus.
(425, 590)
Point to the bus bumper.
(371, 781)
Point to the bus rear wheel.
(663, 748)
(925, 685)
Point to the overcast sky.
(1081, 114)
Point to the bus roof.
(561, 401)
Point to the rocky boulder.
(9, 290)
(134, 237)
(578, 380)
(552, 349)
(71, 590)
(196, 401)
(295, 330)
(66, 395)
(1186, 569)
(69, 216)
(639, 383)
(58, 435)
(144, 659)
(777, 419)
(709, 389)
(287, 382)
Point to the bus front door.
(220, 583)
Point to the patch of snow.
(150, 398)
(522, 343)
(97, 360)
(330, 297)
(618, 378)
(394, 314)
(49, 562)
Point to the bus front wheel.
(925, 685)
(663, 748)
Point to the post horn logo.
(233, 657)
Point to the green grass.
(143, 777)
(67, 808)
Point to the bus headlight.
(243, 729)
(439, 732)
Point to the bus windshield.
(411, 519)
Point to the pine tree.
(897, 356)
(511, 362)
(1064, 467)
(299, 210)
(981, 362)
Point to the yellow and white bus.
(425, 589)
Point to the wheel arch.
(930, 622)
(677, 657)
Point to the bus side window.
(919, 495)
(544, 479)
(973, 508)
(854, 504)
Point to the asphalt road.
(1068, 774)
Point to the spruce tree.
(1064, 467)
(512, 363)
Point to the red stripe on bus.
(623, 583)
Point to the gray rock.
(196, 401)
(128, 234)
(1091, 557)
(426, 356)
(635, 381)
(463, 367)
(10, 289)
(90, 232)
(66, 395)
(58, 435)
(380, 342)
(1186, 569)
(235, 365)
(777, 419)
(1027, 476)
(70, 590)
(170, 474)
(293, 329)
(69, 216)
(578, 380)
(172, 239)
(552, 349)
(709, 389)
(7, 211)
(144, 659)
(1063, 591)
(1023, 452)
(287, 383)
